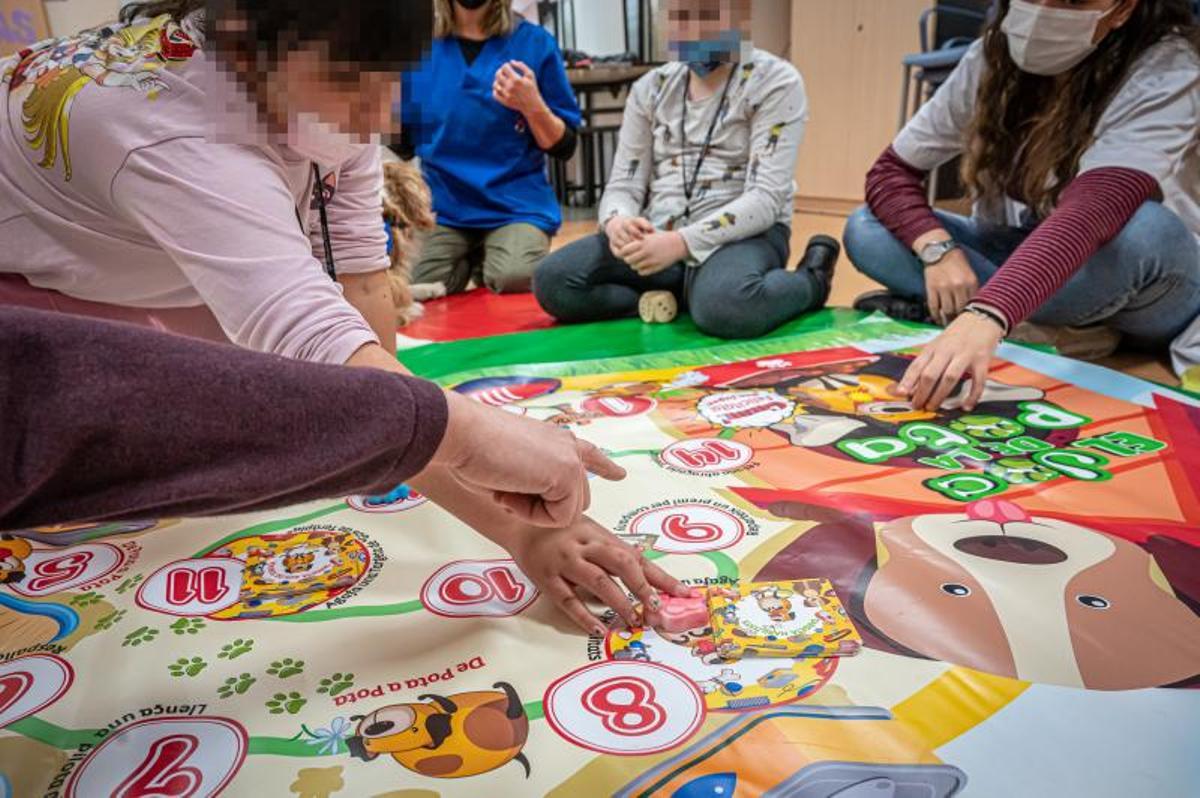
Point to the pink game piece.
(681, 614)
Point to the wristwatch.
(932, 254)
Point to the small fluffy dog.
(408, 211)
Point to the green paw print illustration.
(290, 703)
(336, 684)
(109, 621)
(236, 649)
(86, 599)
(236, 685)
(143, 634)
(129, 584)
(187, 667)
(286, 667)
(187, 626)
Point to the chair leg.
(905, 88)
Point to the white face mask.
(323, 143)
(1050, 41)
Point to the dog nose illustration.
(997, 511)
(377, 729)
(1008, 548)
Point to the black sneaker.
(820, 260)
(898, 307)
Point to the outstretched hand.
(964, 349)
(536, 471)
(586, 558)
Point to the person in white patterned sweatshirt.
(699, 202)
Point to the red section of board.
(478, 314)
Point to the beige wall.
(849, 52)
(72, 16)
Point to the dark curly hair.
(1030, 132)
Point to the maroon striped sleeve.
(896, 195)
(1093, 209)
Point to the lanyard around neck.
(689, 188)
(319, 186)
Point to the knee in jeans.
(551, 286)
(725, 317)
(1154, 228)
(863, 237)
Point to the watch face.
(933, 253)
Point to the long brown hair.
(178, 9)
(498, 21)
(1030, 132)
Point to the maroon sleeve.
(896, 195)
(102, 421)
(1091, 212)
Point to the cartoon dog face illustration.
(13, 552)
(774, 602)
(447, 737)
(998, 590)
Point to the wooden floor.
(849, 283)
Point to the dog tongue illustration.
(997, 511)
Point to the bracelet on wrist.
(990, 315)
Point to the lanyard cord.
(690, 188)
(319, 186)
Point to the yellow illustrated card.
(793, 618)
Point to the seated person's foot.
(820, 260)
(1082, 343)
(658, 307)
(898, 307)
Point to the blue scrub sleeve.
(556, 88)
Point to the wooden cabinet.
(849, 52)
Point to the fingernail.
(599, 631)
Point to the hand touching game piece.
(536, 471)
(586, 556)
(964, 350)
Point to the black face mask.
(471, 5)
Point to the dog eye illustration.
(1094, 602)
(955, 589)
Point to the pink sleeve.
(355, 217)
(896, 195)
(225, 216)
(1091, 212)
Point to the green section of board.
(606, 339)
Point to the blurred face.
(703, 20)
(306, 90)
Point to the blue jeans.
(1144, 283)
(742, 291)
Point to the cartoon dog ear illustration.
(990, 587)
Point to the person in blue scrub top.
(483, 111)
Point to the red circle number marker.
(625, 708)
(193, 587)
(475, 588)
(619, 406)
(706, 456)
(30, 684)
(689, 528)
(52, 571)
(163, 758)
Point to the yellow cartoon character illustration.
(725, 220)
(57, 71)
(448, 737)
(774, 137)
(13, 552)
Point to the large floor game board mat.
(1026, 579)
